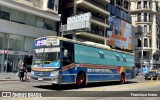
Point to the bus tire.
(80, 80)
(123, 78)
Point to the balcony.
(141, 9)
(94, 34)
(143, 34)
(98, 20)
(97, 4)
(143, 48)
(138, 33)
(144, 21)
(93, 6)
(97, 32)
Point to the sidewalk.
(10, 76)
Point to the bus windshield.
(47, 58)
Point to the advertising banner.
(120, 34)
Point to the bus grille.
(42, 74)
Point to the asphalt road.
(70, 91)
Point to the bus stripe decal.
(119, 68)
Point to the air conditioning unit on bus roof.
(97, 44)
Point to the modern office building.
(99, 20)
(146, 20)
(21, 21)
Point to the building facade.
(22, 21)
(99, 20)
(102, 11)
(145, 18)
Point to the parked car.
(152, 74)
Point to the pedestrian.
(5, 65)
(26, 76)
(22, 69)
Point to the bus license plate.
(40, 79)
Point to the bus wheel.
(123, 79)
(80, 80)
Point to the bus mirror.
(65, 53)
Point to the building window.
(18, 16)
(145, 16)
(4, 13)
(145, 55)
(40, 22)
(139, 5)
(139, 28)
(30, 20)
(149, 16)
(15, 42)
(2, 40)
(28, 44)
(150, 42)
(157, 43)
(50, 25)
(145, 28)
(145, 42)
(149, 4)
(126, 5)
(51, 4)
(139, 17)
(139, 42)
(145, 4)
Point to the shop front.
(9, 60)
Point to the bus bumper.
(53, 80)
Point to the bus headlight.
(54, 73)
(32, 72)
(35, 66)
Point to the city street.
(138, 84)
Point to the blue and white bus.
(63, 61)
